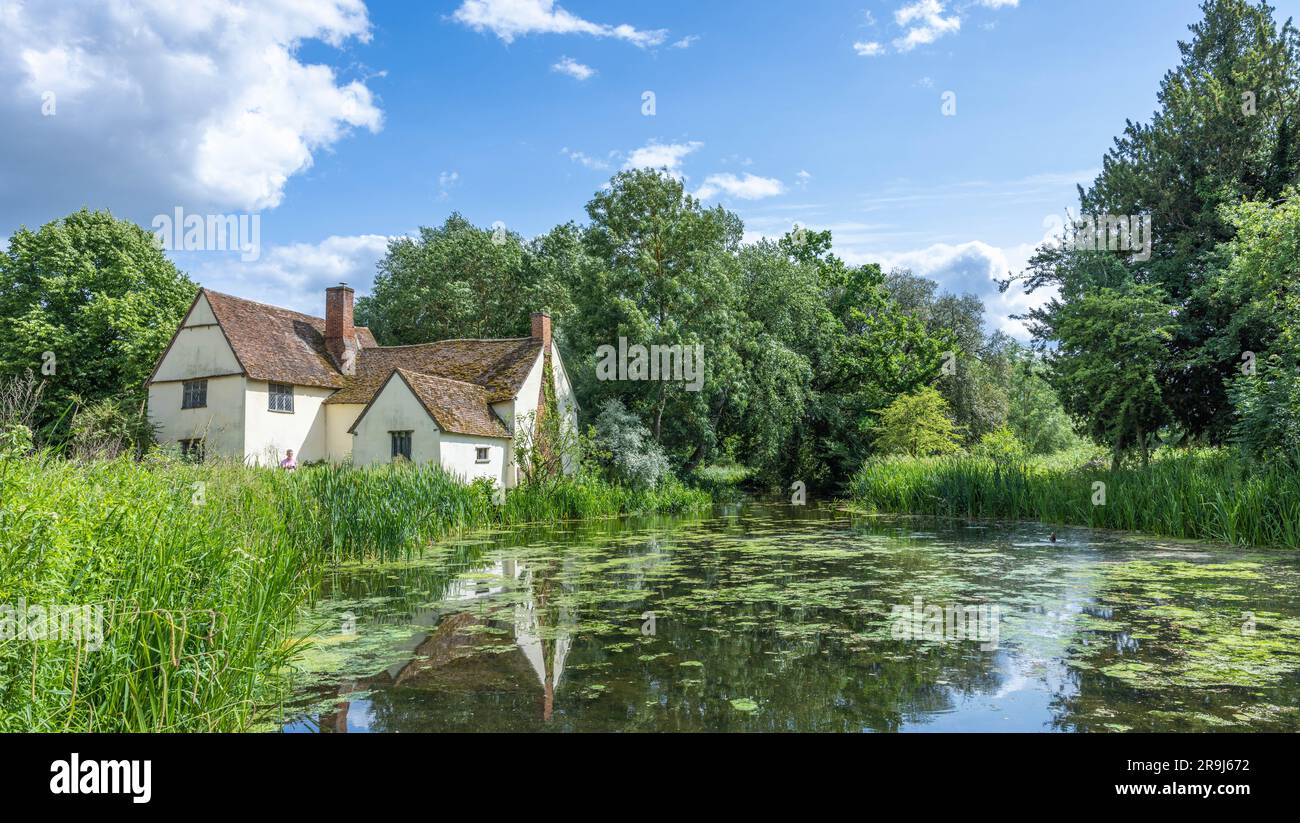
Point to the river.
(779, 618)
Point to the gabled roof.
(277, 344)
(500, 367)
(457, 407)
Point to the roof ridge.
(428, 376)
(260, 303)
(458, 340)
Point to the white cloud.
(447, 181)
(654, 155)
(804, 177)
(159, 104)
(295, 275)
(508, 19)
(868, 49)
(685, 42)
(972, 267)
(925, 22)
(746, 187)
(1000, 4)
(586, 160)
(574, 69)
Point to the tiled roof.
(456, 407)
(499, 366)
(274, 343)
(455, 380)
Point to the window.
(192, 450)
(401, 444)
(280, 398)
(194, 394)
(480, 454)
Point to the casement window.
(279, 398)
(194, 394)
(480, 454)
(192, 450)
(401, 442)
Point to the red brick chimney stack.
(542, 330)
(340, 333)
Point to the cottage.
(251, 381)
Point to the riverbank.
(1195, 494)
(201, 570)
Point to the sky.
(940, 136)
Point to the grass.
(201, 572)
(1206, 494)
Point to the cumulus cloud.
(156, 104)
(655, 155)
(925, 22)
(746, 187)
(868, 48)
(972, 268)
(576, 70)
(686, 42)
(508, 19)
(294, 275)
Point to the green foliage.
(108, 428)
(632, 457)
(97, 293)
(1198, 494)
(460, 281)
(918, 424)
(1001, 446)
(1206, 147)
(1108, 366)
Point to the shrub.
(630, 455)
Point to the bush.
(1001, 446)
(628, 453)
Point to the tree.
(461, 281)
(630, 455)
(1263, 337)
(1108, 368)
(1226, 131)
(87, 303)
(659, 269)
(1001, 446)
(919, 425)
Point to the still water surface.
(775, 618)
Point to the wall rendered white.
(339, 418)
(268, 434)
(221, 422)
(394, 409)
(457, 452)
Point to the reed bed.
(1205, 494)
(201, 572)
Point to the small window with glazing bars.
(280, 398)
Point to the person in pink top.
(288, 463)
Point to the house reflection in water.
(478, 642)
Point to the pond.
(780, 618)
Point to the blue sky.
(343, 124)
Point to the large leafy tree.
(1109, 367)
(659, 269)
(459, 280)
(98, 295)
(1226, 131)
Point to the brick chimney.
(340, 334)
(542, 330)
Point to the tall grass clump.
(1207, 494)
(199, 574)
